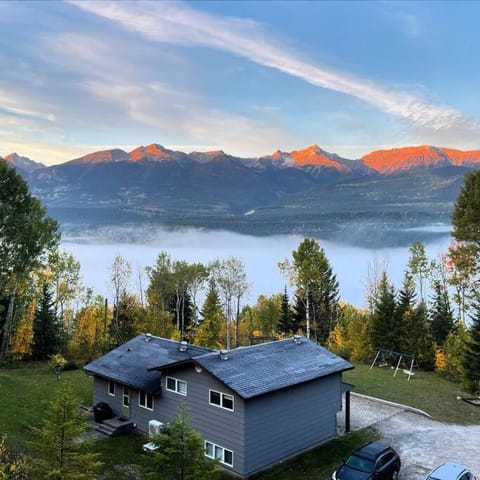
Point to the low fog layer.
(353, 266)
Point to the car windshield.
(360, 463)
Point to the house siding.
(286, 422)
(216, 425)
(100, 394)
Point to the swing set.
(385, 357)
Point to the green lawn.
(425, 390)
(26, 392)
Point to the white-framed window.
(126, 396)
(145, 400)
(177, 386)
(111, 388)
(219, 453)
(222, 400)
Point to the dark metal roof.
(130, 363)
(259, 369)
(248, 371)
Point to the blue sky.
(246, 77)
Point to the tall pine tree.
(310, 271)
(46, 329)
(404, 309)
(471, 353)
(58, 452)
(208, 333)
(384, 326)
(286, 324)
(441, 315)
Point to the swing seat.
(408, 372)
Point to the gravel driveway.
(421, 442)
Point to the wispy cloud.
(178, 23)
(113, 80)
(14, 104)
(184, 114)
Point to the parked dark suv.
(374, 460)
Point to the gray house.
(254, 406)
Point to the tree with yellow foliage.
(89, 339)
(12, 467)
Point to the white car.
(451, 471)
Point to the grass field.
(26, 392)
(425, 390)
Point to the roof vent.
(183, 346)
(223, 354)
(148, 337)
(297, 339)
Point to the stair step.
(115, 426)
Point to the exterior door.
(126, 402)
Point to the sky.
(246, 77)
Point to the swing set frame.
(401, 356)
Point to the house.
(254, 406)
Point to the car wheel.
(395, 475)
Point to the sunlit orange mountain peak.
(103, 156)
(470, 158)
(314, 155)
(153, 151)
(406, 158)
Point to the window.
(126, 397)
(177, 386)
(222, 400)
(219, 453)
(387, 458)
(111, 388)
(145, 400)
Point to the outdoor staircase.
(115, 426)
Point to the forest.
(46, 312)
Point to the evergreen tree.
(286, 324)
(441, 315)
(384, 326)
(181, 455)
(466, 213)
(417, 339)
(471, 353)
(46, 330)
(311, 273)
(179, 304)
(58, 453)
(325, 303)
(299, 313)
(208, 333)
(404, 307)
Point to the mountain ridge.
(379, 161)
(375, 200)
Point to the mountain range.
(309, 191)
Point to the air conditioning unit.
(154, 428)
